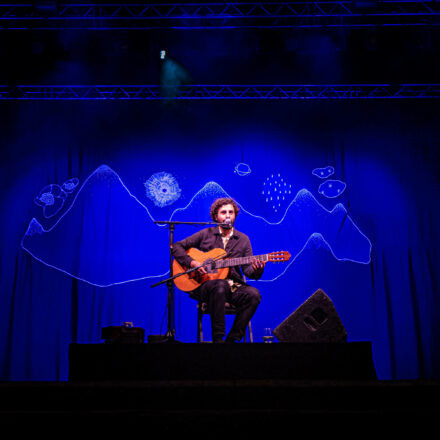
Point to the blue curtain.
(354, 188)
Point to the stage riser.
(279, 361)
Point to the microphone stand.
(171, 331)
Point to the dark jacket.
(207, 239)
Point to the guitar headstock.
(279, 257)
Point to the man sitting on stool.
(215, 293)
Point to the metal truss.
(220, 15)
(221, 92)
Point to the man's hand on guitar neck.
(258, 267)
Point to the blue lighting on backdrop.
(91, 239)
(81, 248)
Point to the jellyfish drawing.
(51, 198)
(70, 185)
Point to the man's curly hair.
(221, 202)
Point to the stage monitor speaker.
(124, 334)
(316, 320)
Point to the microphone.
(227, 224)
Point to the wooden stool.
(202, 309)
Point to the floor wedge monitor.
(316, 320)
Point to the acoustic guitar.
(216, 267)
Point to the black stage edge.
(210, 409)
(280, 361)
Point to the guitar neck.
(240, 260)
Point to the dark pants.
(215, 293)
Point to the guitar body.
(191, 281)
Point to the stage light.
(172, 76)
(163, 54)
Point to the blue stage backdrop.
(351, 190)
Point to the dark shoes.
(226, 341)
(231, 340)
